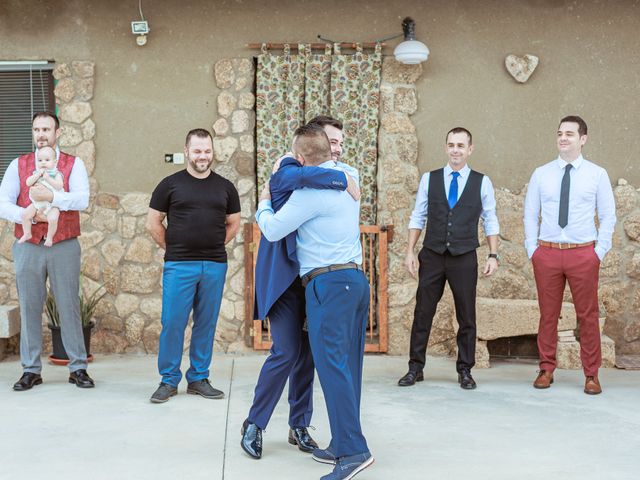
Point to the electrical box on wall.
(177, 158)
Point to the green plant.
(88, 305)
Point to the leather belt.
(306, 278)
(565, 246)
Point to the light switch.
(178, 158)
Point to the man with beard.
(34, 262)
(203, 215)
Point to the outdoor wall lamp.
(140, 28)
(410, 51)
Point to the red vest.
(69, 222)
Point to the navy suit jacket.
(277, 264)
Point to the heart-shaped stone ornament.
(521, 68)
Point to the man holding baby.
(47, 252)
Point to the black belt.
(306, 278)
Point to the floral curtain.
(292, 89)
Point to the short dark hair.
(323, 120)
(197, 132)
(312, 142)
(459, 130)
(582, 125)
(44, 114)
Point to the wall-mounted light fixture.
(411, 51)
(140, 28)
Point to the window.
(25, 88)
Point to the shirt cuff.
(601, 252)
(531, 251)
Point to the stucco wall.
(148, 97)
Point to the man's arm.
(232, 226)
(491, 265)
(489, 224)
(606, 208)
(9, 191)
(301, 206)
(294, 178)
(77, 198)
(411, 260)
(532, 215)
(156, 228)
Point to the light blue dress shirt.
(327, 224)
(487, 195)
(590, 191)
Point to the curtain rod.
(316, 46)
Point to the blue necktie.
(453, 190)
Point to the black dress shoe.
(81, 378)
(411, 378)
(251, 441)
(300, 436)
(27, 381)
(466, 381)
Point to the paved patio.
(503, 430)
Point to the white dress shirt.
(77, 198)
(488, 215)
(590, 190)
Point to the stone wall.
(119, 254)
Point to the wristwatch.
(494, 255)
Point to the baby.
(48, 175)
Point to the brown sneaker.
(592, 386)
(544, 379)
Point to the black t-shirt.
(196, 211)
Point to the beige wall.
(147, 98)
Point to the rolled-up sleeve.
(419, 215)
(489, 217)
(9, 191)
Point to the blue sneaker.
(349, 467)
(324, 456)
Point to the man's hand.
(411, 261)
(352, 188)
(276, 166)
(490, 267)
(40, 193)
(266, 194)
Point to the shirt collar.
(576, 163)
(328, 164)
(464, 171)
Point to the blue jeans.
(188, 285)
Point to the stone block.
(226, 104)
(244, 66)
(221, 127)
(626, 199)
(498, 318)
(65, 90)
(482, 354)
(69, 136)
(224, 74)
(88, 130)
(139, 279)
(85, 89)
(141, 250)
(406, 100)
(126, 304)
(83, 69)
(136, 203)
(240, 121)
(62, 70)
(9, 321)
(247, 100)
(76, 112)
(396, 72)
(632, 226)
(86, 151)
(224, 148)
(397, 123)
(568, 354)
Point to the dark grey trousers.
(61, 263)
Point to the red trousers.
(552, 268)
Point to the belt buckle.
(560, 245)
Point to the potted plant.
(88, 304)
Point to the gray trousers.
(61, 263)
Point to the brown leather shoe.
(592, 386)
(544, 379)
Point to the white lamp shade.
(411, 52)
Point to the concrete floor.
(503, 430)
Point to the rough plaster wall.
(150, 96)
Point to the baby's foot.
(48, 242)
(25, 238)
